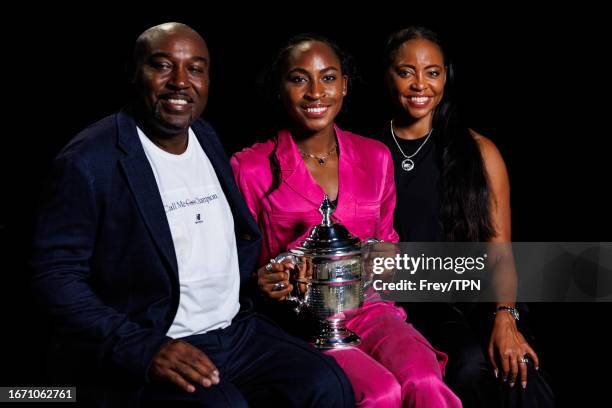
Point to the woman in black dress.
(452, 185)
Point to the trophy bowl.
(328, 277)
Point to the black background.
(535, 82)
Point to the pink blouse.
(366, 191)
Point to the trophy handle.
(372, 241)
(300, 276)
(375, 248)
(367, 276)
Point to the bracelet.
(513, 312)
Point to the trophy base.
(332, 337)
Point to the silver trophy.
(328, 279)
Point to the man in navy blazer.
(141, 287)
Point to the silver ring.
(278, 286)
(268, 267)
(523, 360)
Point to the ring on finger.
(279, 286)
(268, 267)
(523, 360)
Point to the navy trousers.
(259, 366)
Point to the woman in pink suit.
(284, 181)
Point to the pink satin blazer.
(366, 191)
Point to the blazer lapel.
(294, 172)
(144, 188)
(214, 151)
(349, 173)
(247, 232)
(296, 175)
(218, 159)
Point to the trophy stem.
(334, 334)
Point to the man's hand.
(183, 364)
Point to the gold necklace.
(320, 159)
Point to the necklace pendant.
(407, 164)
(321, 161)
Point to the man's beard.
(168, 128)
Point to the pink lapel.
(293, 170)
(296, 175)
(347, 176)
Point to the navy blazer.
(104, 265)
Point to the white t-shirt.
(202, 230)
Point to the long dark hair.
(464, 189)
(270, 83)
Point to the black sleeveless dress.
(460, 330)
(417, 208)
